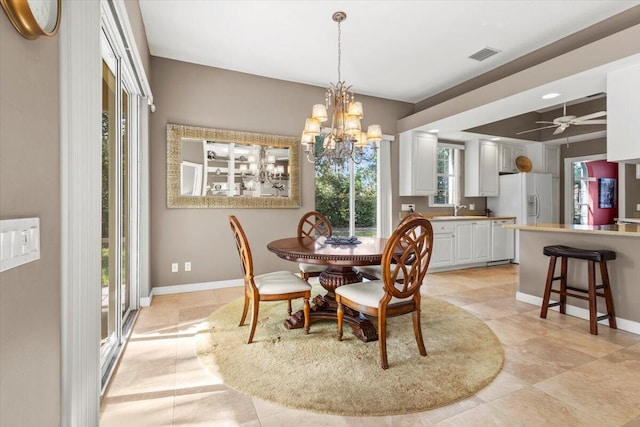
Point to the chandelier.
(344, 140)
(264, 169)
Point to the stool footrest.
(557, 278)
(604, 316)
(553, 304)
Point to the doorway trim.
(568, 181)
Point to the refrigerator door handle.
(537, 205)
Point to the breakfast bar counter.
(624, 271)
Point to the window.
(447, 176)
(351, 185)
(580, 193)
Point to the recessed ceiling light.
(550, 95)
(434, 130)
(497, 138)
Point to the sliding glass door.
(116, 275)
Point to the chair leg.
(245, 309)
(608, 297)
(254, 317)
(340, 316)
(417, 330)
(382, 338)
(563, 284)
(306, 309)
(289, 307)
(593, 303)
(305, 276)
(547, 288)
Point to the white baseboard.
(582, 313)
(191, 287)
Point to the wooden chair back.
(406, 257)
(313, 224)
(244, 250)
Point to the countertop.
(468, 218)
(627, 230)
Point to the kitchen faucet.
(457, 207)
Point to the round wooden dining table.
(340, 260)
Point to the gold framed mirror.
(217, 168)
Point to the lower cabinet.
(456, 243)
(473, 242)
(443, 245)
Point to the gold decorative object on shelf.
(217, 168)
(523, 163)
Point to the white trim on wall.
(568, 180)
(582, 313)
(191, 287)
(80, 172)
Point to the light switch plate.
(19, 242)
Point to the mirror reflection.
(219, 168)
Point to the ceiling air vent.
(483, 54)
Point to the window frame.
(457, 175)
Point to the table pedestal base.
(325, 306)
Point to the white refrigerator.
(526, 196)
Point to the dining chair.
(405, 260)
(275, 286)
(313, 224)
(374, 272)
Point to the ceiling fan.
(563, 122)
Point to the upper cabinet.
(508, 155)
(545, 158)
(623, 111)
(417, 163)
(481, 161)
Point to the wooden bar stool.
(591, 256)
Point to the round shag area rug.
(316, 372)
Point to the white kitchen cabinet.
(552, 160)
(463, 243)
(623, 111)
(545, 158)
(481, 241)
(508, 155)
(418, 155)
(473, 242)
(481, 169)
(443, 254)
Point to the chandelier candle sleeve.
(344, 141)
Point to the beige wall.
(203, 96)
(30, 187)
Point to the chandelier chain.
(339, 50)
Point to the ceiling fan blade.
(559, 130)
(590, 116)
(591, 122)
(533, 130)
(545, 122)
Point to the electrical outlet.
(638, 207)
(187, 266)
(408, 207)
(174, 267)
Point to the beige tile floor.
(555, 372)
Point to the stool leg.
(547, 288)
(563, 284)
(608, 297)
(593, 304)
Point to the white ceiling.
(403, 50)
